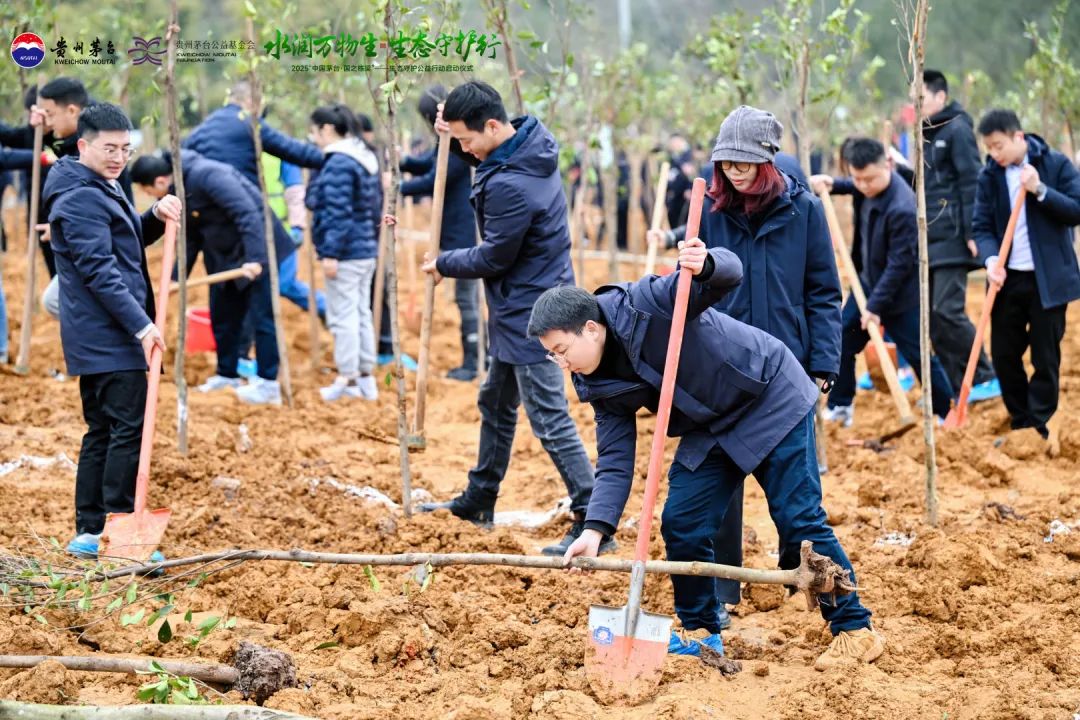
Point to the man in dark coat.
(225, 222)
(742, 405)
(952, 167)
(107, 311)
(458, 226)
(225, 135)
(521, 209)
(887, 262)
(1042, 277)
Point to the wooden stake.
(171, 105)
(268, 226)
(438, 197)
(22, 364)
(313, 305)
(380, 273)
(34, 711)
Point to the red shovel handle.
(988, 303)
(667, 387)
(142, 480)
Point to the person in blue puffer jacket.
(346, 203)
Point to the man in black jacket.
(952, 168)
(107, 310)
(1042, 276)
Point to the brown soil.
(981, 615)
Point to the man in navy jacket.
(106, 311)
(742, 405)
(886, 259)
(458, 225)
(1042, 277)
(521, 209)
(225, 222)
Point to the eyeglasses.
(743, 167)
(113, 151)
(560, 357)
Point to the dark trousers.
(113, 406)
(1019, 322)
(696, 503)
(903, 328)
(466, 296)
(385, 340)
(228, 307)
(728, 547)
(541, 387)
(951, 330)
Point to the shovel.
(958, 414)
(627, 645)
(135, 535)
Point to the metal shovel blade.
(133, 536)
(625, 669)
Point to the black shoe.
(463, 373)
(466, 508)
(607, 543)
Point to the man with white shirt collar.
(1041, 275)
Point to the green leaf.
(326, 645)
(132, 593)
(207, 625)
(149, 690)
(249, 9)
(164, 633)
(375, 584)
(114, 606)
(187, 616)
(158, 614)
(155, 666)
(84, 604)
(388, 379)
(230, 623)
(126, 620)
(41, 619)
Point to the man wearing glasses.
(106, 311)
(521, 210)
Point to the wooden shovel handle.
(142, 480)
(887, 367)
(213, 279)
(657, 216)
(424, 361)
(988, 303)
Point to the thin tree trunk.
(500, 16)
(268, 227)
(802, 130)
(313, 305)
(22, 364)
(391, 278)
(918, 53)
(635, 227)
(34, 711)
(171, 106)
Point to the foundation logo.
(28, 50)
(146, 51)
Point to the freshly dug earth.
(982, 615)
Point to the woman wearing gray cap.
(790, 289)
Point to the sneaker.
(246, 368)
(607, 543)
(689, 642)
(985, 391)
(84, 545)
(851, 646)
(259, 391)
(369, 389)
(844, 414)
(406, 360)
(865, 382)
(219, 382)
(462, 374)
(465, 507)
(342, 387)
(723, 617)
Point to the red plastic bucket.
(200, 336)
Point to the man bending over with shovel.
(106, 311)
(742, 405)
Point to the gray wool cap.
(748, 135)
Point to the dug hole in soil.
(982, 615)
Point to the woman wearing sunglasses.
(790, 289)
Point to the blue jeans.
(698, 499)
(541, 387)
(903, 328)
(292, 288)
(3, 320)
(228, 308)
